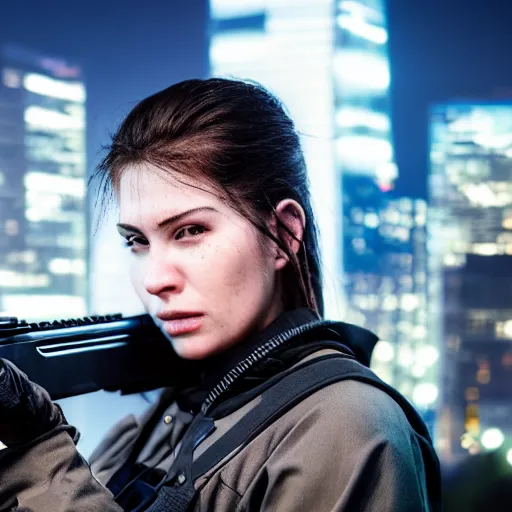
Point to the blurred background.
(405, 112)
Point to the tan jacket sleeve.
(51, 476)
(349, 448)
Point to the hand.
(26, 409)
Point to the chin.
(193, 347)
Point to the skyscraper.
(43, 218)
(364, 150)
(361, 76)
(43, 258)
(384, 235)
(470, 263)
(287, 45)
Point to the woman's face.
(196, 264)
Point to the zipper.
(258, 354)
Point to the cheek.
(137, 280)
(213, 271)
(238, 275)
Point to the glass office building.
(470, 246)
(287, 45)
(43, 256)
(44, 228)
(384, 235)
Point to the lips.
(181, 322)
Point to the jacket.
(348, 446)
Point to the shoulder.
(351, 411)
(347, 443)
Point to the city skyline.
(470, 255)
(400, 218)
(42, 185)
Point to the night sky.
(440, 50)
(443, 50)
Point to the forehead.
(146, 194)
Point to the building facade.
(384, 242)
(43, 222)
(470, 243)
(288, 47)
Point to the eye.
(135, 241)
(190, 231)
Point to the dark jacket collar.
(210, 371)
(361, 341)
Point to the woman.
(215, 209)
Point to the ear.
(290, 214)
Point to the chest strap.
(179, 494)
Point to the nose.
(162, 276)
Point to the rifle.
(76, 356)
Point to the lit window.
(405, 387)
(43, 307)
(363, 152)
(472, 418)
(351, 117)
(235, 8)
(420, 219)
(386, 173)
(54, 183)
(238, 47)
(390, 303)
(409, 302)
(425, 394)
(472, 394)
(371, 220)
(29, 256)
(39, 118)
(361, 70)
(11, 227)
(66, 266)
(383, 352)
(12, 279)
(405, 356)
(483, 376)
(361, 28)
(506, 360)
(46, 86)
(427, 355)
(503, 330)
(453, 343)
(418, 371)
(419, 332)
(359, 245)
(11, 78)
(507, 219)
(357, 215)
(487, 249)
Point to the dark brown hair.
(236, 135)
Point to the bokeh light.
(492, 438)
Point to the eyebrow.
(168, 221)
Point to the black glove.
(26, 409)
